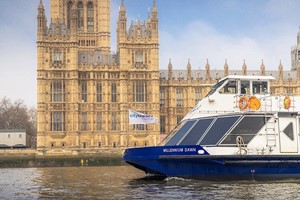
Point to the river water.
(126, 182)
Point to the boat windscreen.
(218, 130)
(180, 133)
(215, 87)
(247, 128)
(197, 131)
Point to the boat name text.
(169, 150)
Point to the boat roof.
(264, 78)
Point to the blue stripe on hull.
(208, 167)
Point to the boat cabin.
(243, 85)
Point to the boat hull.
(198, 164)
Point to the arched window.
(80, 16)
(90, 16)
(69, 13)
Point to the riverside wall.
(32, 158)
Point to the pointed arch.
(90, 16)
(80, 16)
(69, 13)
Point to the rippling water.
(125, 182)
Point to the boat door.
(288, 135)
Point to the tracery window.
(139, 58)
(57, 91)
(99, 92)
(69, 13)
(57, 121)
(179, 98)
(139, 91)
(80, 16)
(113, 92)
(99, 121)
(162, 98)
(84, 121)
(90, 16)
(83, 91)
(57, 56)
(197, 94)
(114, 121)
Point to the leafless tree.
(16, 115)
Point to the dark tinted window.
(196, 133)
(215, 87)
(180, 133)
(247, 129)
(218, 130)
(289, 131)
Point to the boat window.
(247, 129)
(260, 87)
(197, 131)
(218, 130)
(245, 87)
(215, 87)
(229, 88)
(289, 131)
(180, 133)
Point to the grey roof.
(12, 130)
(217, 74)
(58, 28)
(97, 58)
(138, 30)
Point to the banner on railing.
(141, 118)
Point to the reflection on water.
(125, 182)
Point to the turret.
(121, 24)
(154, 20)
(41, 22)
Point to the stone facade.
(85, 90)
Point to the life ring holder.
(287, 102)
(243, 103)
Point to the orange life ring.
(243, 103)
(287, 102)
(254, 103)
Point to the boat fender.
(287, 102)
(243, 103)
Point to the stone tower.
(84, 90)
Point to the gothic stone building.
(85, 91)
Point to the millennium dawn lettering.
(170, 150)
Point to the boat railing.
(268, 103)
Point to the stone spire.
(280, 69)
(244, 68)
(41, 21)
(226, 73)
(262, 68)
(154, 21)
(207, 69)
(189, 70)
(170, 70)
